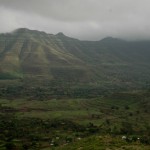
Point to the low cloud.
(82, 19)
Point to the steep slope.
(32, 58)
(25, 52)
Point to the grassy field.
(103, 143)
(88, 124)
(81, 110)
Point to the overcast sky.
(82, 19)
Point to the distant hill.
(33, 58)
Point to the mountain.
(25, 52)
(33, 58)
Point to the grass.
(102, 143)
(100, 122)
(81, 110)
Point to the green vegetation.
(60, 63)
(96, 123)
(61, 93)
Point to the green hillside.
(67, 66)
(71, 124)
(60, 93)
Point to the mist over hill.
(31, 58)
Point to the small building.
(124, 137)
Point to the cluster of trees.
(52, 91)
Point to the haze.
(82, 19)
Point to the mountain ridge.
(30, 55)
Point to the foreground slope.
(71, 124)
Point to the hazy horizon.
(84, 20)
